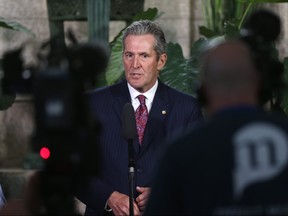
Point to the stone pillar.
(98, 19)
(198, 19)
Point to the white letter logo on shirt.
(261, 153)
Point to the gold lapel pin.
(164, 112)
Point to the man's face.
(140, 61)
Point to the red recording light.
(45, 153)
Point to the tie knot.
(141, 99)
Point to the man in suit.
(236, 162)
(168, 112)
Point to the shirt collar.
(148, 94)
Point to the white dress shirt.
(149, 96)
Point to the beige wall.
(180, 20)
(175, 20)
(281, 9)
(30, 13)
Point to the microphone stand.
(131, 173)
(130, 133)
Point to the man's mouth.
(135, 75)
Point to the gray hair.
(143, 27)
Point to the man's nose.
(136, 63)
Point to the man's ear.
(162, 61)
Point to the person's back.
(237, 165)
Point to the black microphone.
(130, 133)
(129, 122)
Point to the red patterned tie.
(141, 117)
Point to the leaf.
(181, 73)
(115, 70)
(115, 66)
(149, 14)
(197, 49)
(15, 26)
(207, 32)
(6, 101)
(173, 74)
(285, 91)
(101, 80)
(231, 29)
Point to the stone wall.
(30, 13)
(16, 133)
(180, 20)
(281, 9)
(176, 20)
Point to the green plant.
(15, 26)
(284, 104)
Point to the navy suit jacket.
(181, 110)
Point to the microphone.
(129, 122)
(130, 133)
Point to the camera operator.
(65, 136)
(235, 163)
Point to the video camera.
(260, 32)
(65, 135)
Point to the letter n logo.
(261, 153)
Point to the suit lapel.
(122, 96)
(159, 111)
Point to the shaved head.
(229, 76)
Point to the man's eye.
(128, 55)
(144, 56)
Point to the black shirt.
(233, 164)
